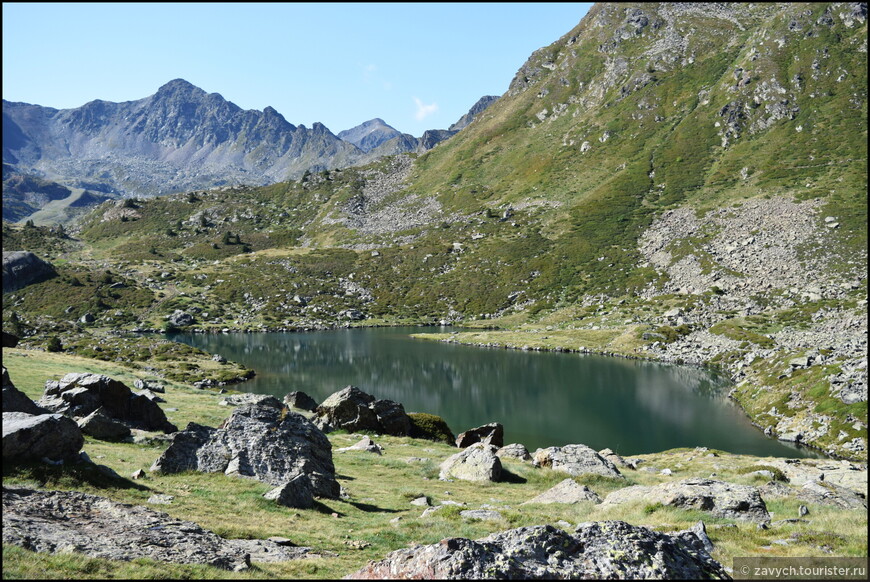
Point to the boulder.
(476, 463)
(365, 444)
(23, 268)
(491, 434)
(567, 491)
(598, 550)
(300, 400)
(270, 444)
(180, 318)
(514, 451)
(575, 460)
(391, 417)
(349, 409)
(34, 436)
(9, 340)
(720, 498)
(831, 494)
(354, 410)
(148, 385)
(79, 395)
(14, 400)
(294, 493)
(100, 426)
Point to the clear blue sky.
(417, 66)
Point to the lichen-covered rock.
(63, 521)
(476, 463)
(80, 394)
(720, 498)
(490, 434)
(567, 491)
(599, 550)
(575, 460)
(270, 444)
(34, 436)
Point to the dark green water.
(542, 399)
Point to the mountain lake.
(541, 398)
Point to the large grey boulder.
(23, 268)
(490, 434)
(294, 493)
(354, 410)
(80, 394)
(567, 491)
(476, 463)
(14, 400)
(575, 460)
(267, 443)
(41, 521)
(34, 436)
(720, 498)
(598, 550)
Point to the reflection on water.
(542, 399)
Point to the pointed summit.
(178, 86)
(369, 134)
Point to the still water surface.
(542, 399)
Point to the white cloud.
(423, 110)
(369, 72)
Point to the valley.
(674, 183)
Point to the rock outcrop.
(268, 443)
(575, 460)
(23, 268)
(64, 521)
(720, 498)
(78, 395)
(354, 410)
(599, 550)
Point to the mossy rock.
(431, 427)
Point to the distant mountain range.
(181, 138)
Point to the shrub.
(431, 427)
(53, 344)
